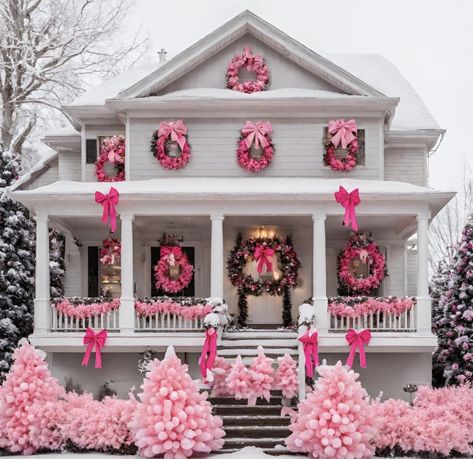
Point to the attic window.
(340, 152)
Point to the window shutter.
(93, 272)
(90, 151)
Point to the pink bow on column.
(108, 201)
(92, 339)
(172, 253)
(349, 201)
(209, 351)
(357, 341)
(342, 131)
(256, 132)
(263, 256)
(174, 129)
(311, 352)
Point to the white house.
(212, 199)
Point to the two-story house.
(208, 201)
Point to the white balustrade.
(167, 322)
(62, 323)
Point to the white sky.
(430, 41)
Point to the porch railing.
(167, 322)
(62, 323)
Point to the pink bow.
(209, 351)
(310, 345)
(175, 129)
(263, 257)
(92, 339)
(108, 201)
(256, 132)
(357, 341)
(172, 253)
(349, 201)
(342, 131)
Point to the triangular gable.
(243, 24)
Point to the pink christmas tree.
(262, 377)
(29, 404)
(335, 420)
(239, 381)
(285, 378)
(220, 370)
(173, 418)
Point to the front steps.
(261, 425)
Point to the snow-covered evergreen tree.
(455, 329)
(56, 263)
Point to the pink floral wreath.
(110, 251)
(259, 134)
(173, 256)
(112, 150)
(360, 246)
(345, 134)
(253, 63)
(171, 132)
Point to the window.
(93, 272)
(91, 152)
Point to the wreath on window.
(360, 249)
(341, 134)
(255, 135)
(277, 267)
(252, 63)
(173, 271)
(110, 251)
(170, 145)
(112, 151)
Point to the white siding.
(73, 275)
(412, 272)
(298, 149)
(69, 165)
(406, 165)
(45, 177)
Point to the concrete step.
(256, 432)
(221, 401)
(245, 410)
(265, 443)
(279, 451)
(268, 352)
(259, 335)
(255, 420)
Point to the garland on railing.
(83, 308)
(187, 308)
(358, 306)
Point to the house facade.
(212, 200)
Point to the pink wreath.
(112, 150)
(171, 256)
(253, 63)
(110, 251)
(364, 248)
(172, 131)
(345, 134)
(258, 134)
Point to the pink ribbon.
(349, 201)
(263, 256)
(174, 129)
(357, 341)
(108, 201)
(209, 351)
(171, 253)
(92, 339)
(342, 131)
(311, 352)
(257, 132)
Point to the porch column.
(127, 301)
(216, 257)
(319, 281)
(424, 317)
(41, 302)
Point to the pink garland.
(110, 251)
(354, 307)
(249, 163)
(83, 311)
(253, 63)
(112, 150)
(164, 282)
(145, 309)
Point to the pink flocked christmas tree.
(335, 420)
(29, 404)
(173, 419)
(239, 380)
(220, 370)
(262, 377)
(285, 378)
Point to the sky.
(430, 41)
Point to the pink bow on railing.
(174, 129)
(92, 339)
(209, 351)
(357, 341)
(342, 131)
(172, 253)
(310, 346)
(256, 132)
(108, 201)
(349, 201)
(263, 256)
